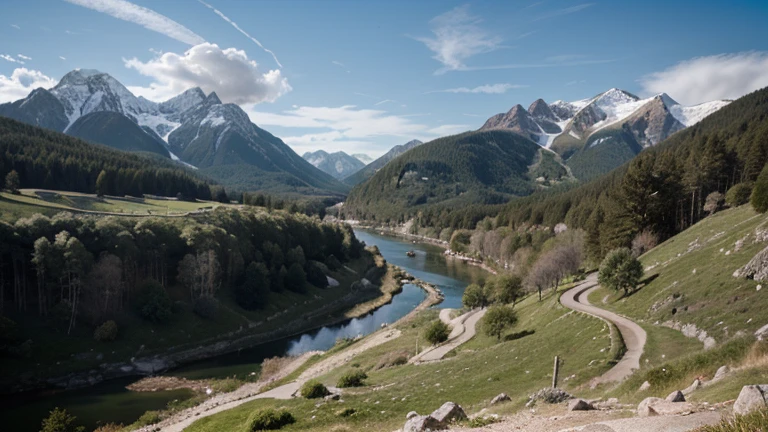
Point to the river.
(111, 402)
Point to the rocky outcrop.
(503, 397)
(752, 397)
(676, 396)
(756, 268)
(422, 424)
(449, 412)
(579, 405)
(652, 123)
(440, 418)
(516, 120)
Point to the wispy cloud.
(484, 89)
(537, 65)
(458, 37)
(383, 102)
(702, 79)
(340, 64)
(563, 11)
(23, 57)
(11, 59)
(564, 58)
(234, 24)
(142, 16)
(70, 32)
(538, 3)
(15, 26)
(63, 58)
(525, 35)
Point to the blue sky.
(362, 76)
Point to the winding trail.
(464, 329)
(634, 336)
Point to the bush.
(332, 262)
(110, 427)
(313, 390)
(620, 271)
(352, 379)
(315, 275)
(738, 194)
(154, 303)
(269, 419)
(59, 420)
(549, 395)
(106, 332)
(205, 307)
(714, 202)
(474, 296)
(759, 198)
(497, 319)
(437, 332)
(148, 418)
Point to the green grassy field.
(472, 376)
(31, 201)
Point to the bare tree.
(200, 273)
(104, 288)
(643, 242)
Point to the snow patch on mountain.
(691, 115)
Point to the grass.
(691, 282)
(479, 370)
(755, 421)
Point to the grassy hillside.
(467, 169)
(478, 371)
(117, 131)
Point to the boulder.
(752, 397)
(654, 406)
(762, 333)
(694, 386)
(332, 397)
(503, 397)
(422, 424)
(449, 412)
(411, 415)
(644, 386)
(579, 405)
(756, 268)
(721, 373)
(676, 396)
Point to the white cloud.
(21, 82)
(458, 37)
(15, 26)
(564, 11)
(486, 89)
(63, 58)
(142, 16)
(228, 72)
(702, 79)
(234, 24)
(338, 63)
(23, 57)
(11, 59)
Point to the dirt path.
(634, 336)
(464, 329)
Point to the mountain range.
(198, 129)
(597, 134)
(370, 169)
(338, 164)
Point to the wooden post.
(554, 373)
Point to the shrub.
(205, 307)
(154, 303)
(620, 271)
(59, 420)
(332, 262)
(110, 427)
(474, 296)
(497, 319)
(352, 379)
(269, 419)
(759, 198)
(106, 332)
(296, 278)
(437, 332)
(738, 194)
(713, 202)
(313, 390)
(549, 395)
(148, 418)
(272, 366)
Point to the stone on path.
(654, 406)
(579, 405)
(503, 397)
(676, 396)
(752, 397)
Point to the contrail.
(234, 24)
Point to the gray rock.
(332, 397)
(695, 386)
(411, 415)
(644, 386)
(752, 397)
(448, 412)
(654, 406)
(721, 373)
(503, 397)
(676, 396)
(762, 333)
(756, 268)
(579, 405)
(422, 424)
